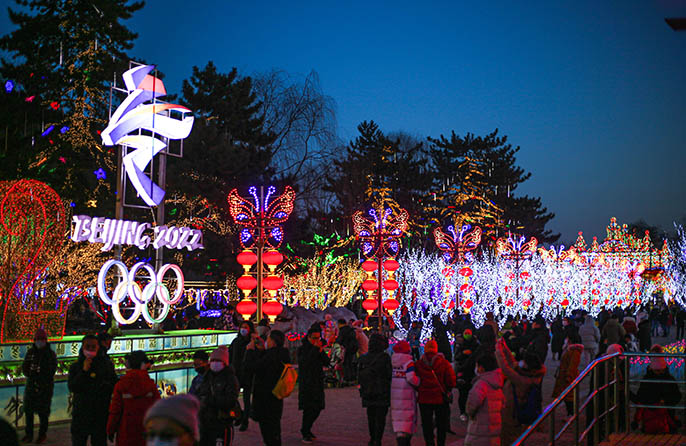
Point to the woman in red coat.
(133, 395)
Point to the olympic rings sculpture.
(140, 296)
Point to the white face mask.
(216, 366)
(89, 354)
(157, 441)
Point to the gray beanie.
(182, 408)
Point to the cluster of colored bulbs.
(247, 283)
(371, 285)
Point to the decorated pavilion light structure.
(379, 232)
(516, 293)
(259, 218)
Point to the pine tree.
(63, 56)
(378, 168)
(475, 178)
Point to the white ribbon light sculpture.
(133, 115)
(140, 296)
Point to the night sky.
(594, 92)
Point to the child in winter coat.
(403, 393)
(485, 404)
(569, 369)
(133, 395)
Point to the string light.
(321, 286)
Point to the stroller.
(333, 374)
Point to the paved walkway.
(344, 421)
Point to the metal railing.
(606, 394)
(593, 396)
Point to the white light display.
(128, 286)
(111, 232)
(134, 115)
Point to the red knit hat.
(431, 347)
(402, 347)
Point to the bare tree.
(303, 119)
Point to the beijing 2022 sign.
(111, 232)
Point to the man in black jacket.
(237, 353)
(266, 361)
(540, 337)
(311, 361)
(39, 368)
(91, 381)
(346, 337)
(218, 395)
(375, 373)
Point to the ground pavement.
(344, 421)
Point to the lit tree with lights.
(64, 55)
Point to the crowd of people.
(497, 372)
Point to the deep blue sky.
(594, 92)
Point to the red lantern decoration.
(526, 303)
(391, 265)
(247, 259)
(246, 308)
(391, 305)
(370, 305)
(390, 285)
(525, 275)
(369, 266)
(467, 304)
(272, 309)
(448, 304)
(370, 285)
(246, 283)
(564, 302)
(272, 259)
(466, 271)
(272, 283)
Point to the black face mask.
(200, 370)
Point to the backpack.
(286, 383)
(531, 408)
(371, 382)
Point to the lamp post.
(379, 232)
(260, 218)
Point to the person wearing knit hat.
(39, 367)
(401, 347)
(403, 393)
(614, 348)
(436, 381)
(218, 395)
(176, 417)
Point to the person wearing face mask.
(39, 366)
(311, 362)
(133, 395)
(266, 361)
(521, 378)
(485, 403)
(91, 382)
(218, 395)
(237, 353)
(173, 421)
(201, 364)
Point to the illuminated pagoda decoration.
(457, 249)
(379, 232)
(134, 115)
(259, 218)
(33, 222)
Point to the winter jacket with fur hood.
(568, 370)
(590, 335)
(404, 394)
(484, 408)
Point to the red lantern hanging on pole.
(272, 259)
(246, 308)
(272, 308)
(370, 305)
(246, 283)
(247, 259)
